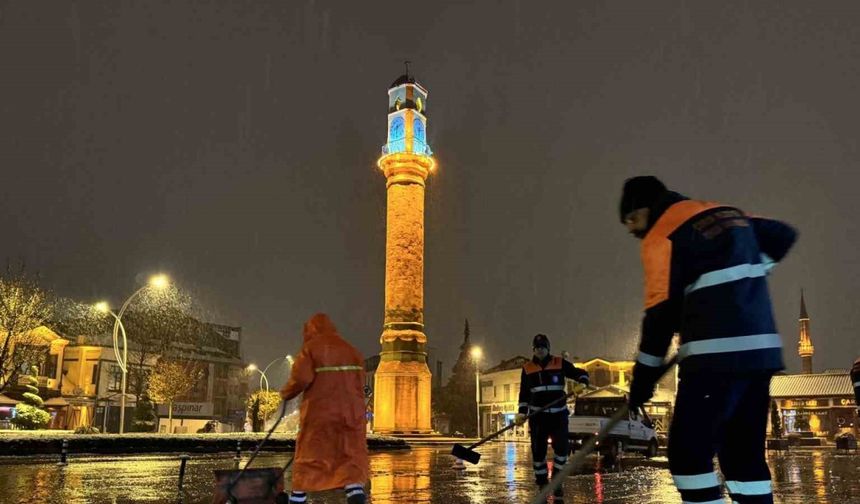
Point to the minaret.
(804, 346)
(402, 386)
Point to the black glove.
(584, 379)
(643, 383)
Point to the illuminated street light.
(157, 282)
(264, 381)
(160, 281)
(476, 354)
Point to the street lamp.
(253, 367)
(476, 353)
(263, 378)
(158, 282)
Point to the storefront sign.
(187, 409)
(805, 403)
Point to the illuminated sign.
(805, 403)
(187, 409)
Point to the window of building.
(138, 379)
(507, 392)
(50, 367)
(95, 374)
(114, 378)
(495, 391)
(200, 390)
(601, 377)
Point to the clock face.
(396, 131)
(418, 129)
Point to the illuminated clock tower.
(401, 401)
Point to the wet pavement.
(423, 474)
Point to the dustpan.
(254, 486)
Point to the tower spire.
(804, 345)
(803, 315)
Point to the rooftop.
(811, 385)
(508, 364)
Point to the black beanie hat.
(640, 192)
(540, 340)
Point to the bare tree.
(24, 306)
(157, 323)
(170, 380)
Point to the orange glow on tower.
(401, 399)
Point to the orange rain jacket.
(331, 449)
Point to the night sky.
(232, 144)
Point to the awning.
(7, 401)
(56, 401)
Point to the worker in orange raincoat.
(331, 449)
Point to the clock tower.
(401, 403)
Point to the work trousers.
(542, 427)
(723, 415)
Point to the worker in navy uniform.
(543, 381)
(705, 278)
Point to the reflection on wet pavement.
(421, 475)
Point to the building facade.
(500, 387)
(499, 398)
(611, 378)
(47, 350)
(80, 381)
(816, 404)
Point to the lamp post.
(476, 356)
(158, 282)
(263, 378)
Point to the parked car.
(635, 434)
(211, 426)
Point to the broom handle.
(511, 426)
(588, 447)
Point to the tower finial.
(406, 63)
(803, 314)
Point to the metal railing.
(418, 147)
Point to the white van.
(636, 434)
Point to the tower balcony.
(418, 147)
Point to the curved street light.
(263, 378)
(476, 354)
(158, 282)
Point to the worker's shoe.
(356, 499)
(541, 486)
(354, 493)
